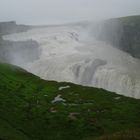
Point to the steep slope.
(35, 109)
(71, 53)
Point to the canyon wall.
(123, 33)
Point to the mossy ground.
(27, 111)
(131, 20)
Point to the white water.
(70, 53)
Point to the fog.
(61, 11)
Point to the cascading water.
(70, 53)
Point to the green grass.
(124, 135)
(131, 20)
(27, 111)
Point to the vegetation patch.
(81, 113)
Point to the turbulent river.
(71, 53)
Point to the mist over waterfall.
(71, 53)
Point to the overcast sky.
(61, 11)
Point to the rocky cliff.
(17, 52)
(123, 33)
(12, 27)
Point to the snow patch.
(117, 98)
(58, 99)
(64, 87)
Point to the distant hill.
(35, 109)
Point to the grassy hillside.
(28, 110)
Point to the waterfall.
(70, 53)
